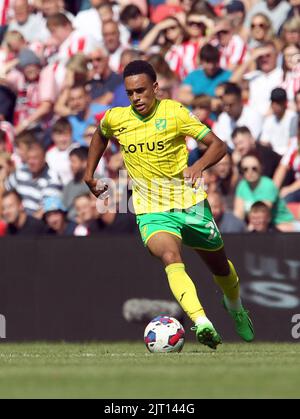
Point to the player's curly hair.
(140, 67)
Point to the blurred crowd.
(234, 63)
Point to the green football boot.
(243, 324)
(207, 335)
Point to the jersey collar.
(148, 117)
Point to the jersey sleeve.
(105, 125)
(189, 124)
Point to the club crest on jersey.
(161, 124)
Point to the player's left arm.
(216, 150)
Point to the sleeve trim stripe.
(203, 134)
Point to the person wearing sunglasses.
(254, 187)
(261, 30)
(197, 27)
(276, 10)
(173, 41)
(103, 81)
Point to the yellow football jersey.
(155, 154)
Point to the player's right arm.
(96, 151)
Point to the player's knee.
(170, 256)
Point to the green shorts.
(195, 226)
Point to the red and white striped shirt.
(183, 59)
(292, 158)
(291, 83)
(76, 43)
(234, 53)
(5, 8)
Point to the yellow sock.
(184, 291)
(230, 284)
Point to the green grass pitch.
(106, 370)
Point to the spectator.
(226, 221)
(255, 187)
(227, 177)
(103, 81)
(261, 31)
(128, 56)
(171, 37)
(260, 219)
(204, 8)
(106, 12)
(264, 79)
(36, 93)
(162, 67)
(19, 223)
(75, 103)
(88, 134)
(113, 44)
(22, 145)
(25, 22)
(34, 181)
(281, 126)
(87, 219)
(49, 8)
(244, 143)
(295, 10)
(76, 187)
(197, 27)
(231, 46)
(290, 161)
(166, 88)
(89, 21)
(56, 219)
(204, 80)
(210, 181)
(236, 13)
(217, 100)
(291, 31)
(13, 43)
(69, 41)
(137, 24)
(142, 4)
(58, 156)
(291, 72)
(236, 114)
(202, 108)
(276, 10)
(52, 7)
(76, 71)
